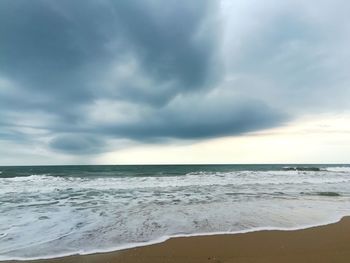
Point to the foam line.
(165, 238)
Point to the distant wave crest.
(300, 168)
(329, 194)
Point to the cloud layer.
(76, 75)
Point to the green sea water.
(49, 211)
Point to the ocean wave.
(303, 168)
(328, 194)
(46, 183)
(87, 212)
(25, 177)
(323, 193)
(32, 178)
(161, 239)
(340, 169)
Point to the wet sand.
(324, 244)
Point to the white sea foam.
(341, 169)
(50, 183)
(165, 238)
(81, 215)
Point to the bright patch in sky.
(312, 139)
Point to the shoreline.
(204, 247)
(166, 238)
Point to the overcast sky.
(153, 81)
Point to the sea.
(52, 211)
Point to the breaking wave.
(95, 213)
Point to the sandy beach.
(323, 244)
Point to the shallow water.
(61, 210)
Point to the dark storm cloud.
(144, 70)
(200, 119)
(77, 144)
(52, 46)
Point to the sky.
(152, 81)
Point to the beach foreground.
(329, 243)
